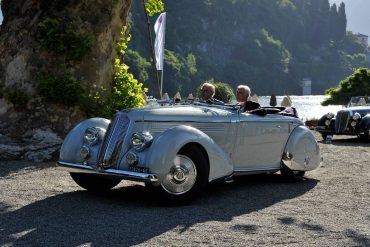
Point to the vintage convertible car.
(176, 150)
(354, 120)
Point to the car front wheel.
(187, 177)
(94, 182)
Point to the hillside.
(268, 44)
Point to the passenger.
(207, 92)
(242, 97)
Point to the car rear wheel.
(187, 177)
(94, 182)
(364, 137)
(324, 135)
(290, 175)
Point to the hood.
(363, 110)
(181, 113)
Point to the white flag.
(159, 29)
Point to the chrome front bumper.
(135, 176)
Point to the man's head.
(242, 93)
(207, 91)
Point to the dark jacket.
(250, 106)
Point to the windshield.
(359, 101)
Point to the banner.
(159, 29)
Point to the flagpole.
(164, 41)
(152, 49)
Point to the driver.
(207, 93)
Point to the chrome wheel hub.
(181, 177)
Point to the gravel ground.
(41, 206)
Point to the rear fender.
(160, 156)
(302, 152)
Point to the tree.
(356, 84)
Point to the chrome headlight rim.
(91, 135)
(356, 116)
(141, 140)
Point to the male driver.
(207, 92)
(242, 96)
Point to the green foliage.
(61, 89)
(356, 84)
(64, 37)
(268, 44)
(139, 66)
(154, 6)
(126, 91)
(224, 92)
(18, 97)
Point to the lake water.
(308, 106)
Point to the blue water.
(308, 106)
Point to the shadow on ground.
(129, 215)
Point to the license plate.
(139, 169)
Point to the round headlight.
(330, 115)
(84, 152)
(353, 124)
(356, 116)
(139, 141)
(327, 122)
(91, 135)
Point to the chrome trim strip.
(205, 127)
(244, 171)
(136, 176)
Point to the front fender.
(73, 142)
(302, 152)
(365, 123)
(160, 157)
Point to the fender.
(165, 147)
(365, 123)
(70, 149)
(302, 152)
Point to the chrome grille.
(341, 121)
(112, 144)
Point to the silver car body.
(234, 143)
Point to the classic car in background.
(178, 149)
(354, 120)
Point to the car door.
(260, 141)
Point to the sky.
(358, 17)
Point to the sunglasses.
(204, 90)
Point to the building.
(306, 84)
(362, 39)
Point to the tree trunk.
(32, 48)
